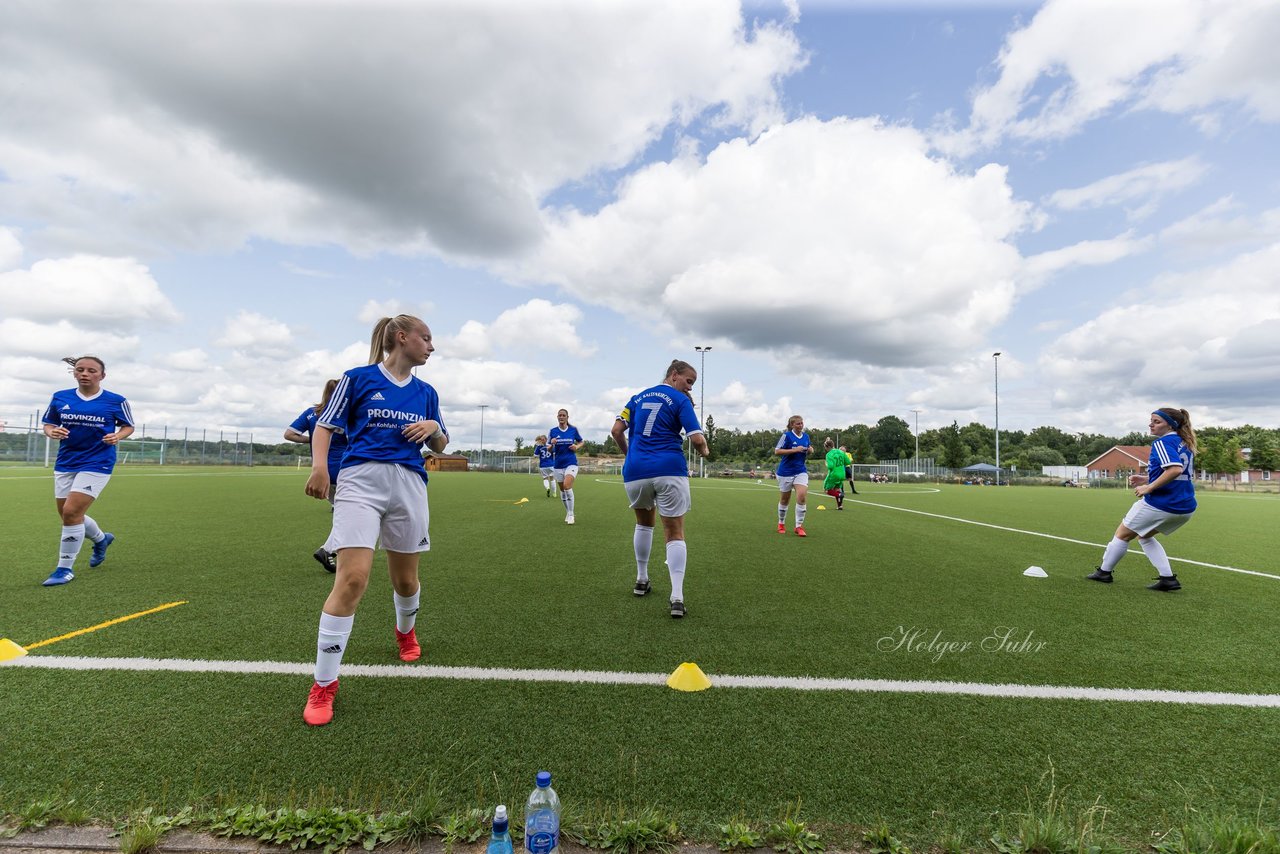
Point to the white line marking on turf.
(602, 677)
(1054, 537)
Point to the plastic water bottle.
(542, 818)
(500, 841)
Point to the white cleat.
(568, 520)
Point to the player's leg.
(71, 511)
(405, 535)
(673, 500)
(566, 494)
(1119, 544)
(802, 505)
(784, 500)
(642, 543)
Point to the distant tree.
(519, 444)
(861, 448)
(1263, 453)
(1036, 456)
(1134, 438)
(709, 430)
(954, 454)
(1233, 461)
(1211, 456)
(891, 437)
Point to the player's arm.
(318, 482)
(619, 434)
(1167, 475)
(119, 436)
(699, 442)
(291, 435)
(55, 431)
(578, 444)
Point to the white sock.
(568, 501)
(1115, 550)
(1156, 554)
(677, 557)
(801, 509)
(331, 643)
(72, 540)
(643, 542)
(782, 514)
(91, 529)
(406, 610)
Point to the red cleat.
(800, 532)
(782, 529)
(409, 649)
(319, 710)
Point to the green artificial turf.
(510, 585)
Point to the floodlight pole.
(917, 459)
(995, 359)
(483, 407)
(702, 404)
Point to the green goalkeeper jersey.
(835, 469)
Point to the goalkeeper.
(834, 483)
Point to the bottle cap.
(500, 813)
(544, 779)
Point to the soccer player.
(833, 485)
(794, 448)
(88, 421)
(301, 430)
(1166, 498)
(545, 467)
(565, 441)
(387, 414)
(655, 473)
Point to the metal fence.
(25, 444)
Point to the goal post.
(864, 471)
(519, 465)
(140, 451)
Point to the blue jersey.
(306, 423)
(655, 418)
(545, 456)
(1179, 495)
(373, 409)
(792, 464)
(88, 419)
(561, 442)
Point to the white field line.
(600, 677)
(1055, 537)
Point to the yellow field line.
(104, 625)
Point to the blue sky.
(854, 204)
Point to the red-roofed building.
(1120, 461)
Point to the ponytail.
(383, 340)
(71, 360)
(324, 398)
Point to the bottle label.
(542, 832)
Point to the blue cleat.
(58, 576)
(100, 550)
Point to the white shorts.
(89, 482)
(383, 501)
(546, 472)
(1145, 520)
(669, 492)
(785, 483)
(567, 471)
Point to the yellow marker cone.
(10, 650)
(822, 507)
(688, 677)
(523, 501)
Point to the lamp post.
(702, 404)
(917, 457)
(995, 360)
(483, 407)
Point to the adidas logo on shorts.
(424, 541)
